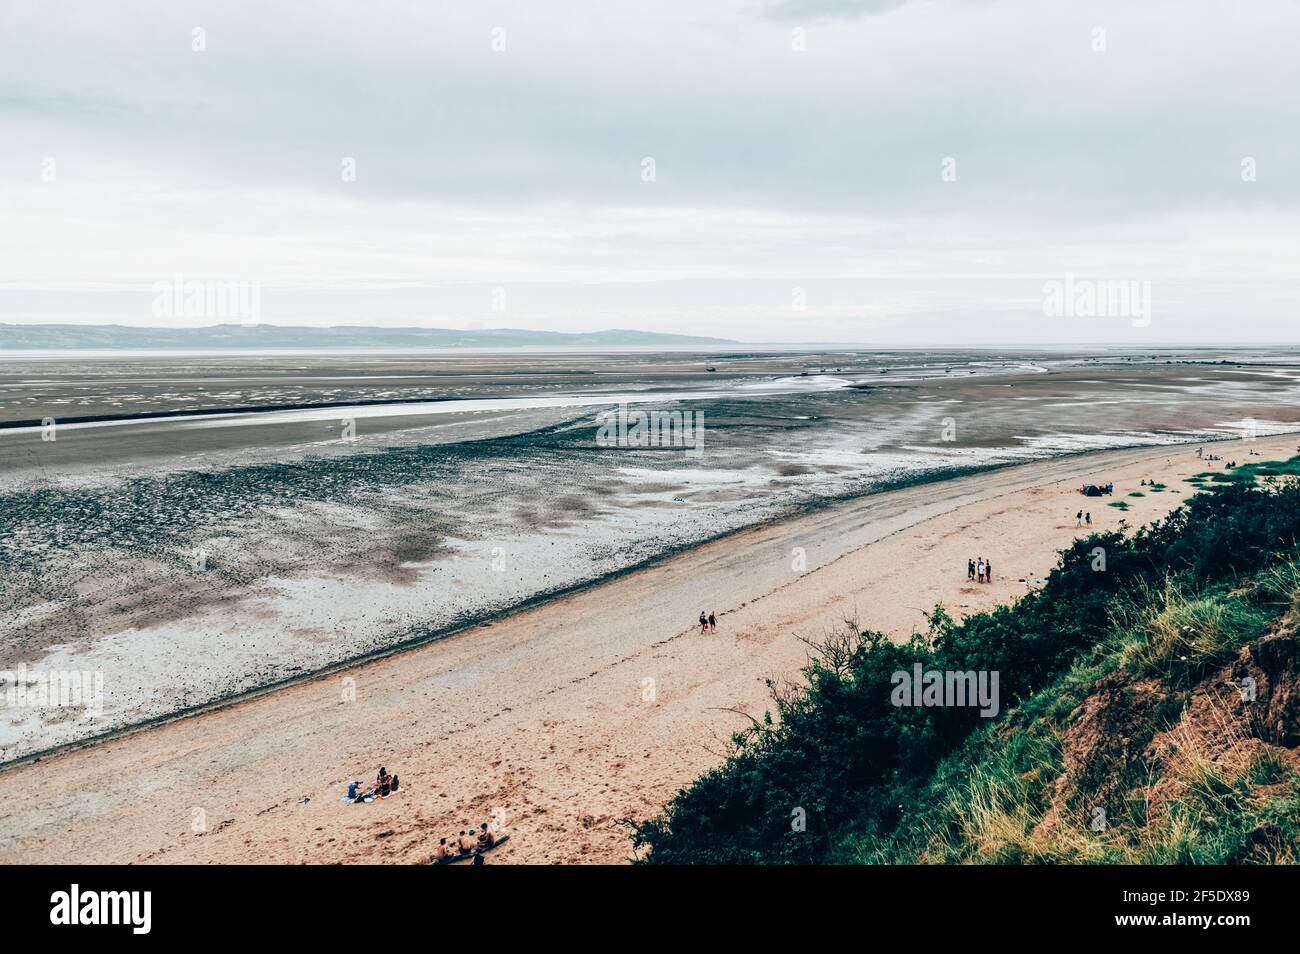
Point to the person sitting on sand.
(442, 852)
(352, 790)
(713, 622)
(392, 785)
(467, 843)
(486, 837)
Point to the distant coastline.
(69, 339)
(239, 337)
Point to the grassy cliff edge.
(1149, 713)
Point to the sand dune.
(563, 719)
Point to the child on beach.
(704, 624)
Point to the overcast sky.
(801, 186)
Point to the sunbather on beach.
(443, 851)
(486, 836)
(467, 843)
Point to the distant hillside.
(58, 336)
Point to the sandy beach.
(561, 720)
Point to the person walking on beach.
(1087, 518)
(1078, 518)
(713, 622)
(704, 624)
(988, 572)
(970, 569)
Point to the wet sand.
(195, 559)
(563, 719)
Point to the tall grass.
(1179, 636)
(1280, 586)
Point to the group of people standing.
(980, 570)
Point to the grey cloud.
(1056, 146)
(1037, 122)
